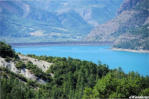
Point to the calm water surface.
(128, 61)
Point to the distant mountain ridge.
(52, 20)
(129, 30)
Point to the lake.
(128, 61)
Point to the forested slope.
(67, 78)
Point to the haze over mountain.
(53, 20)
(129, 29)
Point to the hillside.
(35, 77)
(129, 29)
(52, 20)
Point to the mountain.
(52, 20)
(129, 29)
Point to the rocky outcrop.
(106, 32)
(43, 65)
(11, 66)
(127, 5)
(130, 25)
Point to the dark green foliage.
(50, 59)
(7, 72)
(38, 72)
(15, 89)
(6, 50)
(116, 84)
(71, 78)
(144, 92)
(13, 86)
(7, 59)
(20, 65)
(73, 75)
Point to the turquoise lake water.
(128, 61)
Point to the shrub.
(6, 50)
(7, 59)
(20, 65)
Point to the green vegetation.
(34, 69)
(142, 43)
(116, 84)
(145, 92)
(20, 65)
(81, 79)
(38, 72)
(14, 86)
(74, 78)
(6, 50)
(69, 78)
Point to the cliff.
(129, 29)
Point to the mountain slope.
(52, 20)
(130, 29)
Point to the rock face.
(128, 4)
(43, 65)
(131, 25)
(25, 72)
(105, 32)
(11, 66)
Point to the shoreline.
(60, 43)
(131, 50)
(74, 43)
